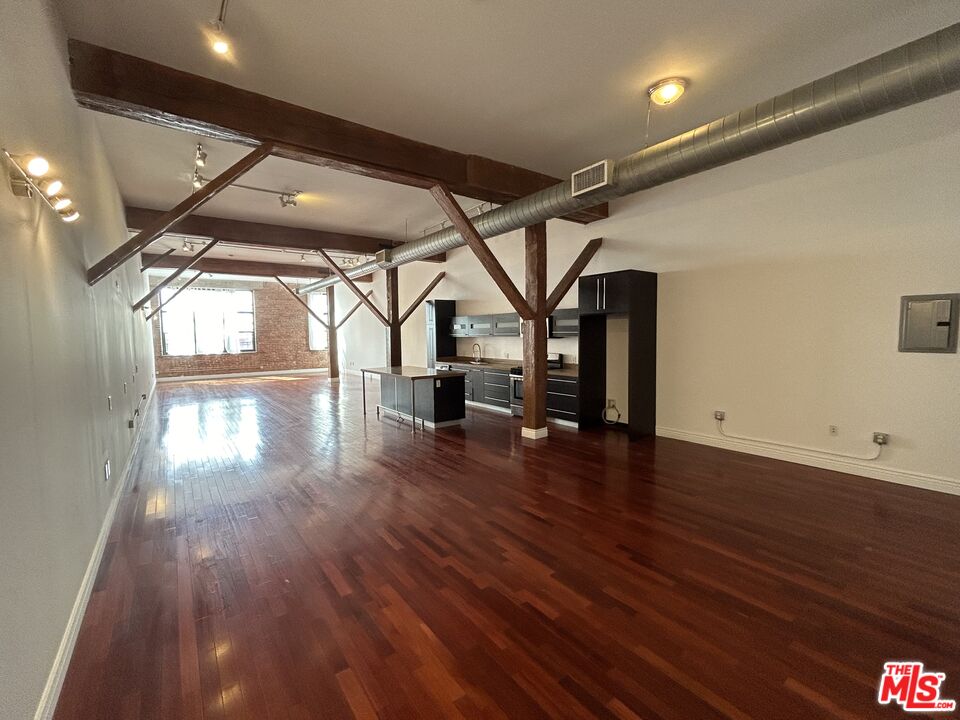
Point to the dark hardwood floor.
(276, 556)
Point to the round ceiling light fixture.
(667, 92)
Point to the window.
(207, 322)
(317, 333)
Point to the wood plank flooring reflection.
(276, 556)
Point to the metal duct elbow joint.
(911, 73)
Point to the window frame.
(193, 319)
(311, 319)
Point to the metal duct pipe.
(917, 71)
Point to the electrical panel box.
(928, 323)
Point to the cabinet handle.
(598, 293)
(604, 293)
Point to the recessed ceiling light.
(667, 92)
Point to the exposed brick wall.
(281, 326)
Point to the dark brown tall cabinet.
(440, 343)
(630, 293)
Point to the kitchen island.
(432, 397)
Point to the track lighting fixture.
(27, 177)
(50, 187)
(302, 258)
(201, 158)
(198, 180)
(289, 198)
(219, 42)
(37, 166)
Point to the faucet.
(477, 355)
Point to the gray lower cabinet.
(563, 398)
(438, 400)
(496, 388)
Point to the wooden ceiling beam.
(243, 232)
(489, 261)
(118, 84)
(256, 268)
(152, 231)
(361, 296)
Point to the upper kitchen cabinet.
(460, 326)
(506, 324)
(605, 294)
(565, 323)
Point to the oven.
(516, 391)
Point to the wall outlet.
(881, 438)
(833, 429)
(719, 415)
(106, 471)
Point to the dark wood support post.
(148, 262)
(332, 350)
(420, 298)
(393, 315)
(190, 262)
(351, 285)
(535, 334)
(180, 289)
(300, 300)
(490, 263)
(352, 310)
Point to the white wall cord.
(772, 443)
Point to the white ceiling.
(154, 168)
(547, 84)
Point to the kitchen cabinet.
(605, 294)
(438, 400)
(565, 323)
(479, 325)
(496, 388)
(632, 293)
(563, 398)
(439, 341)
(459, 326)
(506, 325)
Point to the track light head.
(201, 158)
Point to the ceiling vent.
(594, 177)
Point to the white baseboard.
(854, 467)
(54, 684)
(227, 376)
(534, 433)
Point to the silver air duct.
(917, 71)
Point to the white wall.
(63, 348)
(779, 290)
